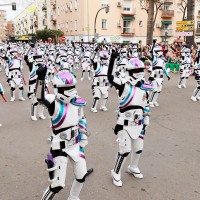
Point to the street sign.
(186, 28)
(184, 33)
(190, 22)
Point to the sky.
(20, 4)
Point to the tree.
(46, 33)
(190, 16)
(150, 6)
(183, 7)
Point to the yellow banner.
(32, 9)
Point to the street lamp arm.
(96, 19)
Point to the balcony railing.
(128, 31)
(53, 18)
(167, 13)
(128, 11)
(169, 32)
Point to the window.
(58, 11)
(126, 26)
(75, 4)
(104, 23)
(198, 24)
(140, 23)
(71, 26)
(104, 3)
(75, 25)
(127, 5)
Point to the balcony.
(128, 32)
(167, 13)
(170, 32)
(198, 14)
(53, 3)
(197, 31)
(128, 11)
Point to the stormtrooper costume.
(2, 56)
(1, 93)
(185, 68)
(196, 93)
(100, 84)
(69, 132)
(133, 116)
(86, 64)
(157, 71)
(33, 61)
(14, 74)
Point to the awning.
(168, 3)
(166, 22)
(128, 17)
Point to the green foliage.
(46, 33)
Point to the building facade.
(126, 20)
(10, 31)
(2, 25)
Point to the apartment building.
(126, 20)
(10, 28)
(2, 25)
(34, 17)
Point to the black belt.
(13, 70)
(56, 132)
(130, 108)
(154, 68)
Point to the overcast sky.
(21, 4)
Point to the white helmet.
(38, 57)
(133, 52)
(123, 52)
(157, 51)
(104, 56)
(135, 70)
(64, 86)
(187, 52)
(14, 51)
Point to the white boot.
(34, 118)
(179, 86)
(156, 104)
(135, 172)
(151, 104)
(94, 110)
(21, 99)
(116, 178)
(193, 98)
(103, 108)
(75, 190)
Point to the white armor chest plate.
(65, 115)
(14, 64)
(132, 96)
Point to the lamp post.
(107, 10)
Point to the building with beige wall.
(2, 25)
(10, 31)
(126, 21)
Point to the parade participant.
(14, 73)
(196, 93)
(34, 60)
(100, 84)
(86, 64)
(133, 116)
(157, 71)
(2, 56)
(1, 93)
(185, 68)
(69, 136)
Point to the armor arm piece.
(30, 64)
(83, 141)
(1, 89)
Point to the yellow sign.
(187, 28)
(24, 37)
(180, 23)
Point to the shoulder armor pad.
(146, 87)
(78, 101)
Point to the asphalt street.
(170, 161)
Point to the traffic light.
(107, 9)
(13, 6)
